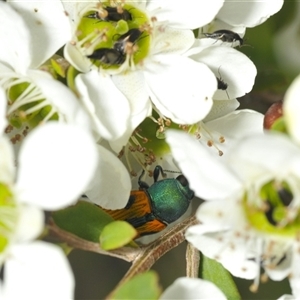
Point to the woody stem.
(151, 253)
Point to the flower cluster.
(251, 217)
(90, 92)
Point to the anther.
(221, 139)
(253, 288)
(8, 129)
(208, 135)
(133, 173)
(264, 278)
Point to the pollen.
(114, 35)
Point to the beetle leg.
(158, 169)
(139, 221)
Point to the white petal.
(62, 99)
(7, 167)
(133, 86)
(294, 279)
(188, 15)
(76, 59)
(181, 88)
(108, 107)
(111, 185)
(208, 177)
(221, 108)
(287, 297)
(248, 13)
(49, 26)
(56, 164)
(234, 258)
(291, 108)
(70, 7)
(270, 152)
(219, 25)
(222, 233)
(3, 102)
(30, 223)
(192, 288)
(171, 40)
(215, 216)
(33, 268)
(135, 120)
(16, 33)
(235, 126)
(237, 70)
(283, 269)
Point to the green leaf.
(86, 220)
(142, 286)
(213, 271)
(117, 234)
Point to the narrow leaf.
(142, 286)
(86, 220)
(213, 271)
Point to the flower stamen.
(201, 131)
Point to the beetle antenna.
(171, 171)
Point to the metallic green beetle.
(151, 209)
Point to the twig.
(151, 253)
(192, 256)
(125, 253)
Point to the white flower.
(55, 165)
(253, 221)
(291, 109)
(192, 288)
(180, 88)
(33, 95)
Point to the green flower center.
(114, 36)
(275, 212)
(8, 216)
(27, 108)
